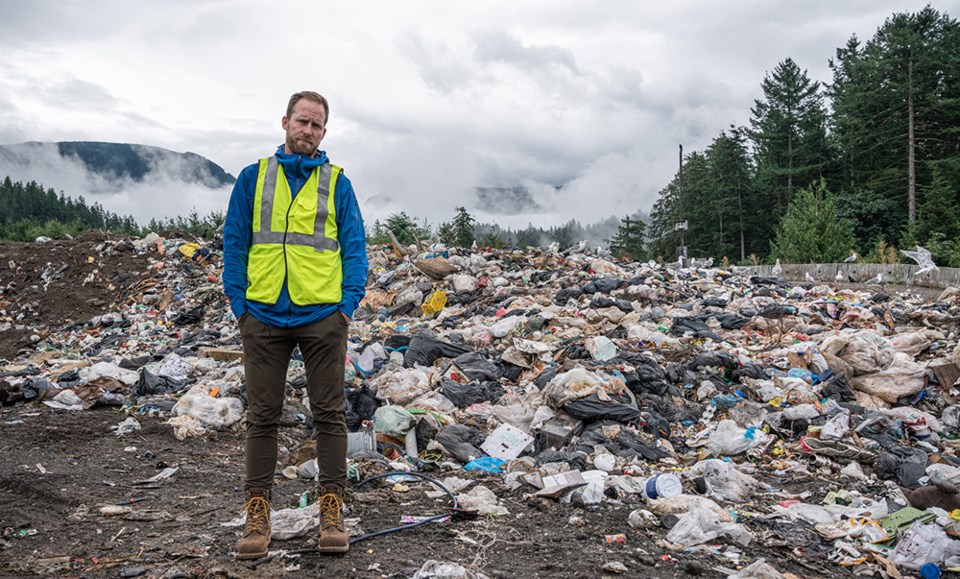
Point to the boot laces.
(331, 510)
(258, 513)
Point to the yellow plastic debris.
(434, 303)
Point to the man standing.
(295, 267)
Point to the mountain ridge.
(119, 161)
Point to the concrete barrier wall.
(897, 273)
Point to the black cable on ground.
(312, 550)
(408, 525)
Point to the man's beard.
(301, 147)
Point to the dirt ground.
(58, 469)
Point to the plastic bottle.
(662, 486)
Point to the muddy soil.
(59, 468)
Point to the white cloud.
(429, 100)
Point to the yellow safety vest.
(295, 239)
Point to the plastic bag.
(425, 349)
(482, 500)
(724, 481)
(402, 387)
(212, 412)
(729, 439)
(903, 377)
(701, 525)
(461, 442)
(393, 421)
(921, 544)
(759, 569)
(444, 570)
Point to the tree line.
(866, 162)
(28, 211)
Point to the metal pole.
(681, 258)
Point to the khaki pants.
(266, 356)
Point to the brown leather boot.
(255, 540)
(333, 531)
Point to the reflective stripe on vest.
(295, 238)
(318, 240)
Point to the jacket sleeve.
(237, 233)
(353, 246)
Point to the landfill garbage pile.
(732, 416)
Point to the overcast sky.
(428, 99)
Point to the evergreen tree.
(462, 228)
(445, 233)
(663, 238)
(896, 102)
(789, 135)
(630, 240)
(811, 231)
(406, 228)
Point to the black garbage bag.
(631, 441)
(696, 327)
(606, 285)
(655, 424)
(545, 377)
(731, 321)
(714, 359)
(463, 395)
(594, 436)
(509, 371)
(759, 280)
(425, 349)
(777, 311)
(427, 429)
(755, 371)
(714, 303)
(69, 379)
(35, 387)
(677, 373)
(150, 384)
(361, 405)
(135, 363)
(396, 341)
(647, 376)
(461, 441)
(476, 367)
(837, 389)
(591, 408)
(192, 316)
(560, 298)
(576, 460)
(602, 302)
(908, 465)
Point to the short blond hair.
(310, 96)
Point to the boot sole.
(334, 550)
(250, 556)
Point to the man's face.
(305, 127)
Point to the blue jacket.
(238, 231)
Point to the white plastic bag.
(213, 412)
(729, 439)
(923, 544)
(724, 481)
(700, 525)
(759, 569)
